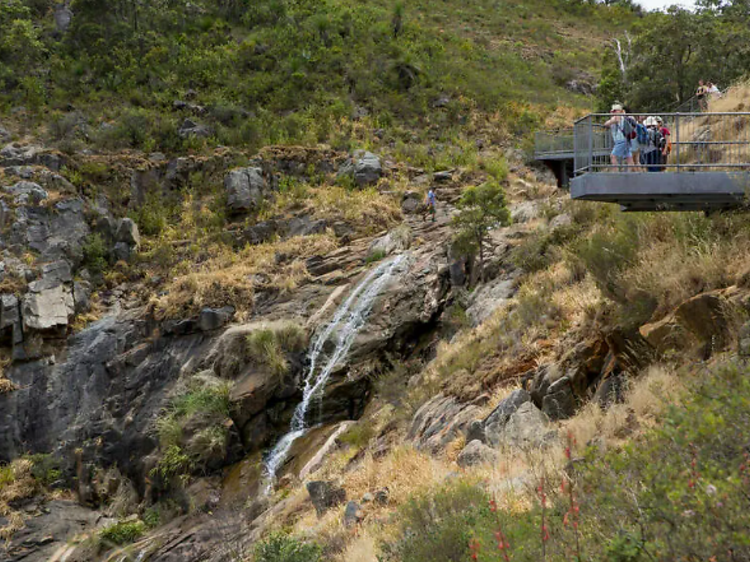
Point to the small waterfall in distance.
(346, 323)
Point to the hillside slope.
(229, 330)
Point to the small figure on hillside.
(623, 131)
(701, 94)
(713, 91)
(429, 207)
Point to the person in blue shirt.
(621, 151)
(430, 205)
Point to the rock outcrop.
(245, 189)
(363, 167)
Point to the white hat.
(650, 121)
(616, 107)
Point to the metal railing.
(553, 143)
(696, 142)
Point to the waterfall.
(623, 59)
(346, 323)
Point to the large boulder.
(46, 308)
(325, 495)
(27, 193)
(560, 402)
(476, 453)
(439, 421)
(127, 233)
(487, 298)
(245, 189)
(495, 423)
(364, 168)
(190, 128)
(703, 323)
(397, 240)
(412, 202)
(528, 427)
(55, 233)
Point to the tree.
(481, 208)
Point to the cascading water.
(346, 323)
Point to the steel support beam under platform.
(664, 191)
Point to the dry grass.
(366, 210)
(646, 398)
(16, 483)
(363, 548)
(736, 98)
(404, 471)
(231, 278)
(719, 128)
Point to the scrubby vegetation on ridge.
(289, 71)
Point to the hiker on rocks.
(701, 94)
(622, 128)
(429, 207)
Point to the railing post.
(591, 143)
(575, 149)
(677, 140)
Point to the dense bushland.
(287, 71)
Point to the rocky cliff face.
(93, 397)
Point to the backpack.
(656, 139)
(642, 134)
(628, 128)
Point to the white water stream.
(346, 323)
(623, 57)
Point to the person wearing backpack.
(639, 143)
(622, 129)
(667, 142)
(652, 153)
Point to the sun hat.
(616, 107)
(650, 121)
(659, 119)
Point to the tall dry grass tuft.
(646, 397)
(405, 471)
(231, 278)
(363, 548)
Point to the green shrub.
(374, 257)
(280, 547)
(123, 532)
(173, 463)
(270, 346)
(358, 435)
(204, 407)
(437, 526)
(95, 254)
(45, 468)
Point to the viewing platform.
(707, 168)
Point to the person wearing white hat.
(652, 152)
(622, 130)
